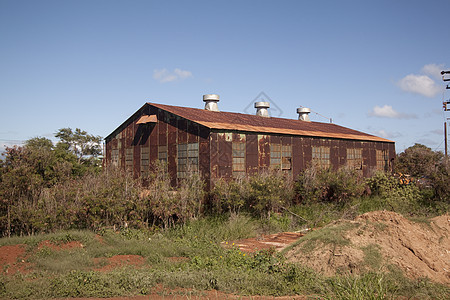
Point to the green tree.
(431, 167)
(27, 171)
(86, 147)
(418, 160)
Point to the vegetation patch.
(333, 234)
(372, 256)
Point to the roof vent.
(303, 114)
(261, 109)
(211, 102)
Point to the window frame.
(321, 156)
(238, 151)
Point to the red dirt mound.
(12, 259)
(419, 249)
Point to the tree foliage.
(419, 160)
(26, 171)
(85, 146)
(429, 167)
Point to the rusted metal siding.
(263, 152)
(251, 154)
(297, 155)
(172, 148)
(224, 140)
(214, 155)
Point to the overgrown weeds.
(205, 265)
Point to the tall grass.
(206, 265)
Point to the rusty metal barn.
(224, 144)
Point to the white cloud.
(387, 111)
(422, 83)
(163, 75)
(433, 70)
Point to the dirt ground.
(278, 241)
(418, 249)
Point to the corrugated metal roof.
(253, 123)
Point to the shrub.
(260, 194)
(328, 185)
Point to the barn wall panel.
(172, 148)
(263, 152)
(251, 154)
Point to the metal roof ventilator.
(211, 102)
(261, 109)
(303, 114)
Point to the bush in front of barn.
(325, 184)
(260, 194)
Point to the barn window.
(162, 154)
(281, 157)
(238, 159)
(382, 160)
(129, 160)
(354, 158)
(145, 160)
(187, 159)
(115, 157)
(321, 156)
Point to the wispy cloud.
(437, 131)
(387, 111)
(427, 142)
(385, 134)
(163, 75)
(433, 70)
(423, 84)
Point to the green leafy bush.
(329, 185)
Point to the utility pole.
(445, 106)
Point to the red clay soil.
(12, 259)
(117, 261)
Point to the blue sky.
(369, 65)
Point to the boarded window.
(321, 156)
(145, 160)
(238, 159)
(382, 160)
(187, 159)
(115, 157)
(129, 160)
(354, 158)
(281, 157)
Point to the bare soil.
(418, 249)
(277, 241)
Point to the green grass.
(68, 273)
(333, 234)
(372, 256)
